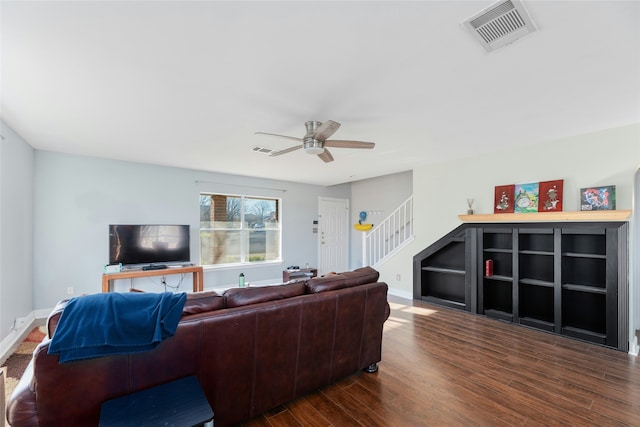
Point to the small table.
(195, 270)
(300, 274)
(178, 403)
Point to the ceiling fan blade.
(279, 136)
(348, 144)
(326, 130)
(326, 156)
(285, 151)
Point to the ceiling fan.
(315, 140)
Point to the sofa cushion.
(332, 281)
(329, 282)
(360, 276)
(199, 302)
(243, 296)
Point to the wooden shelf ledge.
(616, 215)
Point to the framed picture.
(525, 198)
(550, 196)
(503, 198)
(598, 198)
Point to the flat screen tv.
(132, 244)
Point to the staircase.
(388, 237)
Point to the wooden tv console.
(195, 270)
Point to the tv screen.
(148, 244)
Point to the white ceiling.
(187, 84)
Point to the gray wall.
(16, 219)
(76, 198)
(382, 196)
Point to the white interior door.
(333, 235)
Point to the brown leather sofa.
(252, 349)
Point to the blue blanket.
(115, 323)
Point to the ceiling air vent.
(262, 150)
(500, 24)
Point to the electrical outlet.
(398, 277)
(70, 290)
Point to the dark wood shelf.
(444, 270)
(535, 282)
(584, 288)
(537, 323)
(444, 302)
(528, 252)
(499, 314)
(584, 334)
(499, 250)
(580, 255)
(499, 278)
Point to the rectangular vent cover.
(500, 24)
(263, 150)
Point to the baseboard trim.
(11, 342)
(400, 293)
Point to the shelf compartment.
(537, 240)
(584, 311)
(585, 271)
(537, 303)
(502, 263)
(584, 241)
(498, 295)
(536, 267)
(444, 285)
(498, 239)
(450, 256)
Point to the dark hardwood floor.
(443, 367)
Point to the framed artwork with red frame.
(503, 198)
(550, 196)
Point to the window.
(238, 229)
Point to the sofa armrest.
(54, 317)
(22, 408)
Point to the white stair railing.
(388, 237)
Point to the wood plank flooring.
(443, 367)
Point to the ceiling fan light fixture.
(313, 146)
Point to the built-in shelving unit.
(568, 278)
(443, 274)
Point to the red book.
(488, 267)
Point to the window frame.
(244, 230)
